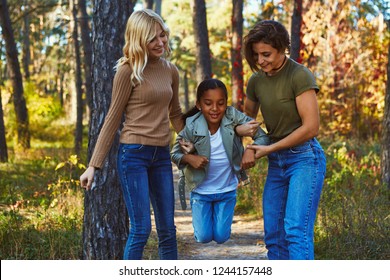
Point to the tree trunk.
(203, 54)
(186, 91)
(15, 76)
(106, 222)
(157, 6)
(3, 142)
(148, 4)
(78, 139)
(87, 47)
(26, 42)
(385, 166)
(236, 57)
(296, 31)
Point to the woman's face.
(267, 57)
(156, 47)
(213, 106)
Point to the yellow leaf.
(60, 165)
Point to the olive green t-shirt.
(276, 96)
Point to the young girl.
(213, 170)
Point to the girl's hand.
(196, 161)
(86, 178)
(186, 146)
(247, 129)
(248, 159)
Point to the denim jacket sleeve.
(176, 152)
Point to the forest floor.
(246, 241)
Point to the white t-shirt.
(220, 177)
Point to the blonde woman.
(145, 90)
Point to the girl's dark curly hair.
(204, 86)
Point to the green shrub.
(41, 209)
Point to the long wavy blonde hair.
(140, 31)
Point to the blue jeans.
(146, 177)
(212, 216)
(291, 195)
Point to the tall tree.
(15, 76)
(385, 164)
(78, 139)
(296, 24)
(87, 48)
(203, 54)
(236, 57)
(148, 4)
(105, 216)
(26, 41)
(157, 6)
(3, 142)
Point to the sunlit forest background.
(45, 123)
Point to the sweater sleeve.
(121, 91)
(175, 112)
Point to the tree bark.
(296, 24)
(106, 222)
(79, 91)
(385, 165)
(148, 4)
(3, 142)
(87, 47)
(157, 6)
(203, 54)
(236, 56)
(15, 76)
(26, 42)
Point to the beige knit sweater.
(148, 107)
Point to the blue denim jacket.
(196, 131)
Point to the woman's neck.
(277, 69)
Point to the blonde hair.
(140, 31)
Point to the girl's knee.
(202, 238)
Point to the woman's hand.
(86, 178)
(247, 129)
(260, 150)
(186, 146)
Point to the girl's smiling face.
(213, 105)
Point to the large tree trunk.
(15, 76)
(78, 139)
(3, 142)
(87, 47)
(236, 57)
(385, 166)
(296, 31)
(106, 222)
(203, 54)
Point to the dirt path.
(246, 242)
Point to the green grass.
(41, 203)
